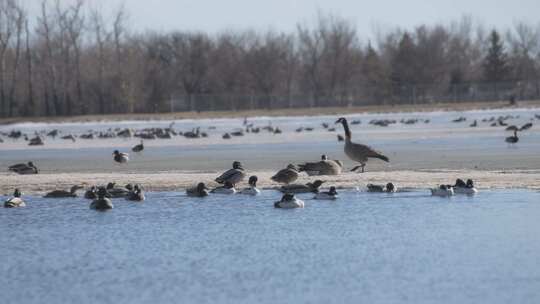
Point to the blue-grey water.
(364, 248)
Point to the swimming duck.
(287, 175)
(464, 188)
(113, 192)
(329, 195)
(323, 167)
(358, 152)
(443, 191)
(289, 201)
(91, 193)
(28, 168)
(381, 188)
(298, 188)
(252, 190)
(63, 193)
(199, 191)
(227, 188)
(234, 175)
(15, 201)
(138, 148)
(136, 194)
(120, 157)
(101, 203)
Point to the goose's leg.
(363, 166)
(355, 168)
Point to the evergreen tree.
(496, 62)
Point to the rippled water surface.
(363, 248)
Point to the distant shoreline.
(462, 106)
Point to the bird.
(526, 126)
(511, 128)
(101, 203)
(358, 152)
(28, 168)
(91, 193)
(474, 124)
(461, 187)
(120, 157)
(136, 194)
(15, 201)
(512, 139)
(252, 190)
(199, 191)
(287, 175)
(381, 188)
(442, 190)
(234, 175)
(114, 192)
(299, 188)
(63, 193)
(289, 201)
(329, 195)
(322, 167)
(227, 188)
(138, 148)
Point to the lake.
(363, 248)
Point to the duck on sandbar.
(234, 175)
(287, 175)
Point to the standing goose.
(512, 139)
(120, 157)
(323, 167)
(15, 201)
(358, 152)
(63, 193)
(287, 175)
(138, 148)
(234, 175)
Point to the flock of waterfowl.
(229, 180)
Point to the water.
(364, 248)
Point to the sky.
(214, 16)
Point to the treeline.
(73, 60)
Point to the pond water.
(363, 248)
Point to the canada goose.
(69, 137)
(323, 167)
(289, 201)
(199, 191)
(443, 191)
(389, 187)
(15, 201)
(227, 188)
(287, 175)
(136, 194)
(512, 128)
(101, 203)
(512, 139)
(252, 190)
(474, 124)
(120, 157)
(28, 168)
(461, 187)
(234, 175)
(138, 148)
(63, 193)
(329, 195)
(358, 152)
(299, 188)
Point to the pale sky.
(283, 15)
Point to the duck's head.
(470, 183)
(443, 187)
(390, 187)
(324, 157)
(341, 120)
(292, 167)
(253, 181)
(136, 187)
(287, 197)
(110, 185)
(333, 190)
(201, 187)
(237, 165)
(17, 193)
(102, 192)
(116, 152)
(30, 164)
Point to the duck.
(234, 175)
(102, 203)
(138, 148)
(461, 187)
(289, 201)
(15, 201)
(358, 152)
(323, 167)
(120, 157)
(136, 194)
(114, 192)
(199, 191)
(252, 190)
(443, 191)
(299, 188)
(28, 168)
(512, 139)
(227, 188)
(389, 187)
(63, 193)
(91, 193)
(329, 195)
(287, 175)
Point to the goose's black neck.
(346, 127)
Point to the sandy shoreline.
(177, 181)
